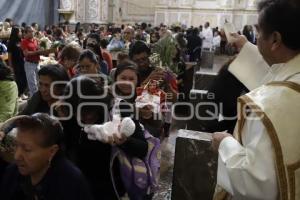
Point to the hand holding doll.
(112, 132)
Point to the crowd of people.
(92, 116)
(64, 134)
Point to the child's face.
(127, 81)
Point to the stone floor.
(168, 146)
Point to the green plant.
(166, 49)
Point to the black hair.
(195, 31)
(96, 48)
(26, 29)
(89, 55)
(58, 32)
(156, 34)
(124, 66)
(177, 29)
(23, 24)
(104, 43)
(8, 20)
(14, 38)
(88, 87)
(127, 65)
(55, 72)
(281, 16)
(43, 124)
(143, 26)
(139, 47)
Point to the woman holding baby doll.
(124, 91)
(87, 146)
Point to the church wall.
(87, 11)
(239, 12)
(187, 12)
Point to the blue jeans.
(31, 70)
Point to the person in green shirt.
(9, 93)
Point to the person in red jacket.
(32, 54)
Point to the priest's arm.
(247, 170)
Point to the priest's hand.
(238, 40)
(218, 137)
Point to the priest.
(262, 160)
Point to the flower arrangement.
(55, 44)
(45, 43)
(47, 61)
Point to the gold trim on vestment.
(291, 169)
(245, 102)
(288, 84)
(281, 173)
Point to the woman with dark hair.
(59, 35)
(154, 37)
(126, 80)
(93, 157)
(88, 63)
(92, 43)
(8, 93)
(41, 171)
(16, 59)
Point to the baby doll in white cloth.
(104, 132)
